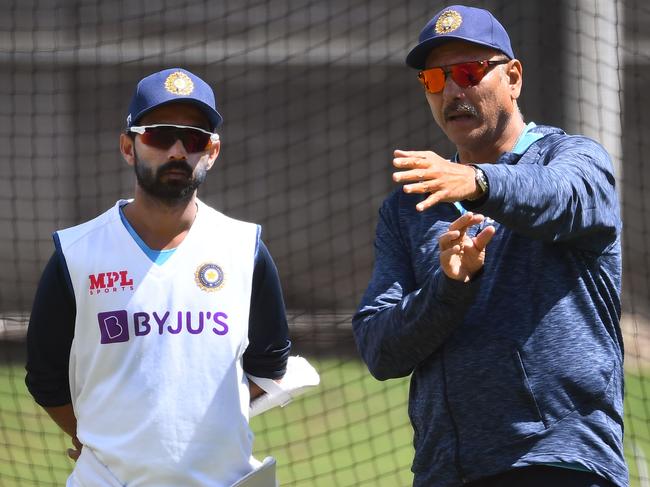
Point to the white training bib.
(156, 362)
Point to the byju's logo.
(114, 326)
(110, 282)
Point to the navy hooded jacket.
(523, 365)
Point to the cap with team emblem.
(169, 86)
(463, 23)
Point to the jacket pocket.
(573, 380)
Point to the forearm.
(255, 390)
(395, 337)
(64, 417)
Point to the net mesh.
(315, 97)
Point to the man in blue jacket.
(515, 350)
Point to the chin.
(466, 127)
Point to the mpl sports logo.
(114, 325)
(110, 282)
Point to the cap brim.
(417, 58)
(214, 117)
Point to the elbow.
(386, 369)
(377, 362)
(375, 366)
(372, 347)
(381, 373)
(370, 358)
(367, 350)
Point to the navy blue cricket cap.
(172, 86)
(463, 23)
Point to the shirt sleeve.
(49, 335)
(268, 333)
(400, 323)
(567, 196)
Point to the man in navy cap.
(497, 281)
(147, 317)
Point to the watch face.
(481, 183)
(481, 180)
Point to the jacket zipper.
(459, 468)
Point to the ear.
(127, 148)
(514, 72)
(214, 153)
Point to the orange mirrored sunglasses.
(463, 74)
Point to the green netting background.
(315, 96)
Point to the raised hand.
(427, 172)
(462, 255)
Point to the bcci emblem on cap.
(448, 21)
(179, 83)
(209, 277)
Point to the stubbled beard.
(172, 191)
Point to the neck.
(160, 225)
(489, 152)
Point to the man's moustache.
(180, 165)
(461, 108)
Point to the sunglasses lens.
(463, 74)
(164, 137)
(193, 140)
(468, 74)
(159, 137)
(433, 79)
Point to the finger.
(483, 238)
(459, 244)
(411, 153)
(423, 187)
(420, 188)
(411, 163)
(475, 220)
(410, 176)
(74, 454)
(447, 239)
(76, 443)
(431, 200)
(466, 220)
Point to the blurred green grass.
(351, 431)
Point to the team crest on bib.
(178, 83)
(448, 21)
(209, 277)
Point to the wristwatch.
(481, 182)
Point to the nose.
(451, 90)
(177, 151)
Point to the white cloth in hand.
(299, 377)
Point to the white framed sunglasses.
(163, 136)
